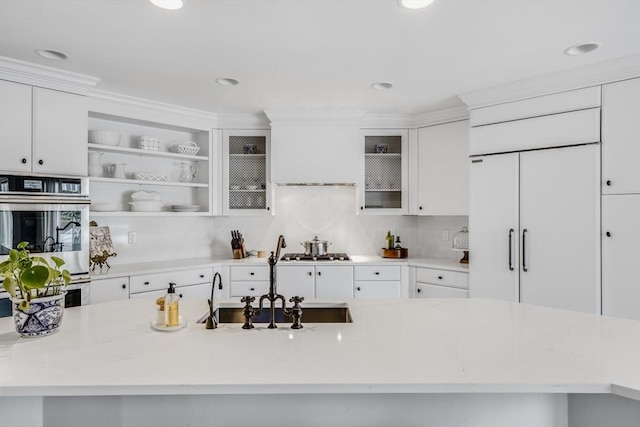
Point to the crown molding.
(591, 75)
(243, 121)
(386, 121)
(447, 115)
(47, 77)
(315, 117)
(130, 107)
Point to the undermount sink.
(312, 313)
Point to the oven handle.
(71, 200)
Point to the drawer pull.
(124, 286)
(418, 290)
(202, 276)
(608, 183)
(358, 288)
(377, 273)
(146, 283)
(41, 162)
(310, 273)
(608, 233)
(440, 277)
(252, 289)
(252, 274)
(24, 160)
(180, 295)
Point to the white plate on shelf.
(185, 208)
(104, 207)
(182, 323)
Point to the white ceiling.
(315, 54)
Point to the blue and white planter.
(43, 316)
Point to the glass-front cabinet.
(384, 189)
(246, 186)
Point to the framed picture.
(100, 246)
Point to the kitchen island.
(401, 362)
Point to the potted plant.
(37, 290)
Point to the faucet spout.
(58, 230)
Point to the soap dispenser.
(171, 306)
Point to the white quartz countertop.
(176, 264)
(393, 346)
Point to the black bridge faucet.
(295, 312)
(58, 230)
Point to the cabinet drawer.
(373, 272)
(249, 273)
(254, 289)
(377, 289)
(433, 276)
(158, 281)
(424, 290)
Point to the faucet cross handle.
(248, 312)
(296, 312)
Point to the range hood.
(315, 147)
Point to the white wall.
(301, 213)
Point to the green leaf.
(9, 284)
(35, 277)
(39, 259)
(58, 261)
(66, 276)
(24, 305)
(23, 245)
(13, 255)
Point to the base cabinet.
(105, 290)
(248, 281)
(440, 283)
(326, 281)
(620, 256)
(425, 290)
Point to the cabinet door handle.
(608, 183)
(511, 231)
(608, 233)
(146, 283)
(358, 288)
(319, 273)
(24, 160)
(420, 208)
(268, 208)
(40, 162)
(524, 251)
(361, 208)
(180, 295)
(310, 273)
(124, 286)
(418, 290)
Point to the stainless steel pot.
(316, 246)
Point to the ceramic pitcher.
(95, 163)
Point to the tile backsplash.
(300, 214)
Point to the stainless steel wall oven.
(52, 214)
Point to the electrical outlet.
(132, 237)
(445, 234)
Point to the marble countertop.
(169, 265)
(393, 346)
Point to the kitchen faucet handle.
(296, 311)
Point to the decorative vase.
(43, 316)
(95, 165)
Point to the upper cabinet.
(147, 157)
(42, 130)
(443, 169)
(621, 137)
(246, 186)
(385, 175)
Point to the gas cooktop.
(307, 257)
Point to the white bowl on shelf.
(104, 137)
(104, 207)
(252, 187)
(146, 206)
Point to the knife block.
(239, 253)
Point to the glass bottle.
(171, 306)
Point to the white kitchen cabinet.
(621, 256)
(320, 281)
(42, 130)
(248, 280)
(441, 283)
(425, 290)
(534, 225)
(162, 167)
(190, 292)
(143, 283)
(377, 281)
(621, 137)
(386, 175)
(111, 289)
(377, 289)
(246, 185)
(443, 169)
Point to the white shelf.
(144, 153)
(161, 213)
(247, 155)
(247, 191)
(383, 155)
(382, 190)
(141, 182)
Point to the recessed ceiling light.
(51, 54)
(168, 4)
(414, 4)
(582, 48)
(226, 81)
(382, 85)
